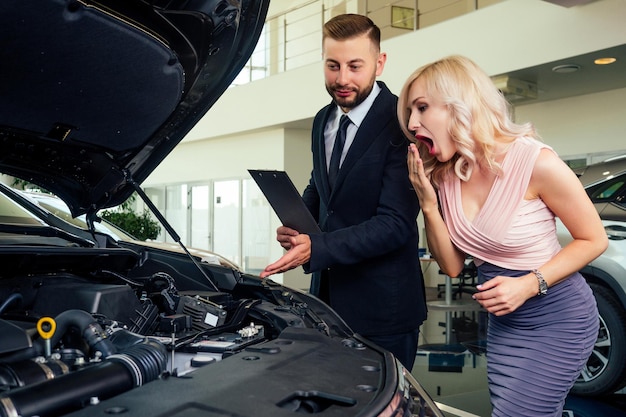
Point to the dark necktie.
(335, 159)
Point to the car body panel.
(611, 264)
(594, 173)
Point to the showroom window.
(231, 218)
(256, 68)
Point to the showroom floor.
(451, 367)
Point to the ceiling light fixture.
(605, 61)
(566, 68)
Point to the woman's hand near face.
(423, 188)
(448, 257)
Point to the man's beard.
(349, 102)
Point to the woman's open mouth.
(428, 142)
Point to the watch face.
(402, 17)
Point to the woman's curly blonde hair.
(479, 115)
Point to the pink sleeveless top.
(508, 231)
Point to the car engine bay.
(82, 325)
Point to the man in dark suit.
(365, 264)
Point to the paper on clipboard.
(285, 200)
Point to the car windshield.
(13, 213)
(58, 208)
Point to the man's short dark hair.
(347, 26)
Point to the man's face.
(350, 69)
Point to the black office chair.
(466, 282)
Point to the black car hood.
(95, 94)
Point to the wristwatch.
(543, 287)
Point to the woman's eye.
(422, 108)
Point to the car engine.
(82, 332)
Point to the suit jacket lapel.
(321, 153)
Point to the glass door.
(226, 220)
(200, 217)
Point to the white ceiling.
(590, 78)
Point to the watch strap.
(543, 286)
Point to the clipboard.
(285, 200)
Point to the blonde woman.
(489, 188)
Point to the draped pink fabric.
(509, 231)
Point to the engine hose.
(10, 299)
(147, 360)
(89, 328)
(119, 373)
(29, 372)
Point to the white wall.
(220, 158)
(579, 125)
(298, 156)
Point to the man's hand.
(298, 254)
(284, 235)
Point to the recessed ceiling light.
(604, 61)
(566, 68)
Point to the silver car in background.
(605, 372)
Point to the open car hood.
(95, 94)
